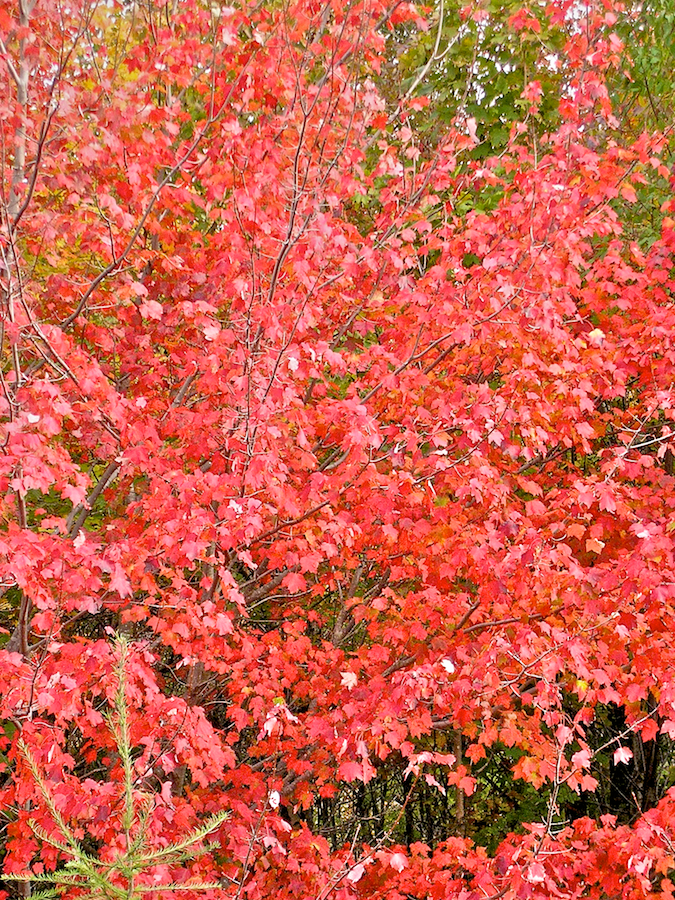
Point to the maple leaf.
(622, 755)
(348, 680)
(398, 861)
(356, 873)
(120, 583)
(294, 582)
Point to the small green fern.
(116, 880)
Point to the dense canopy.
(337, 500)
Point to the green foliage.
(502, 803)
(645, 93)
(479, 69)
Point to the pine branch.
(92, 876)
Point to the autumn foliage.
(337, 463)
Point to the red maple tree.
(367, 482)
